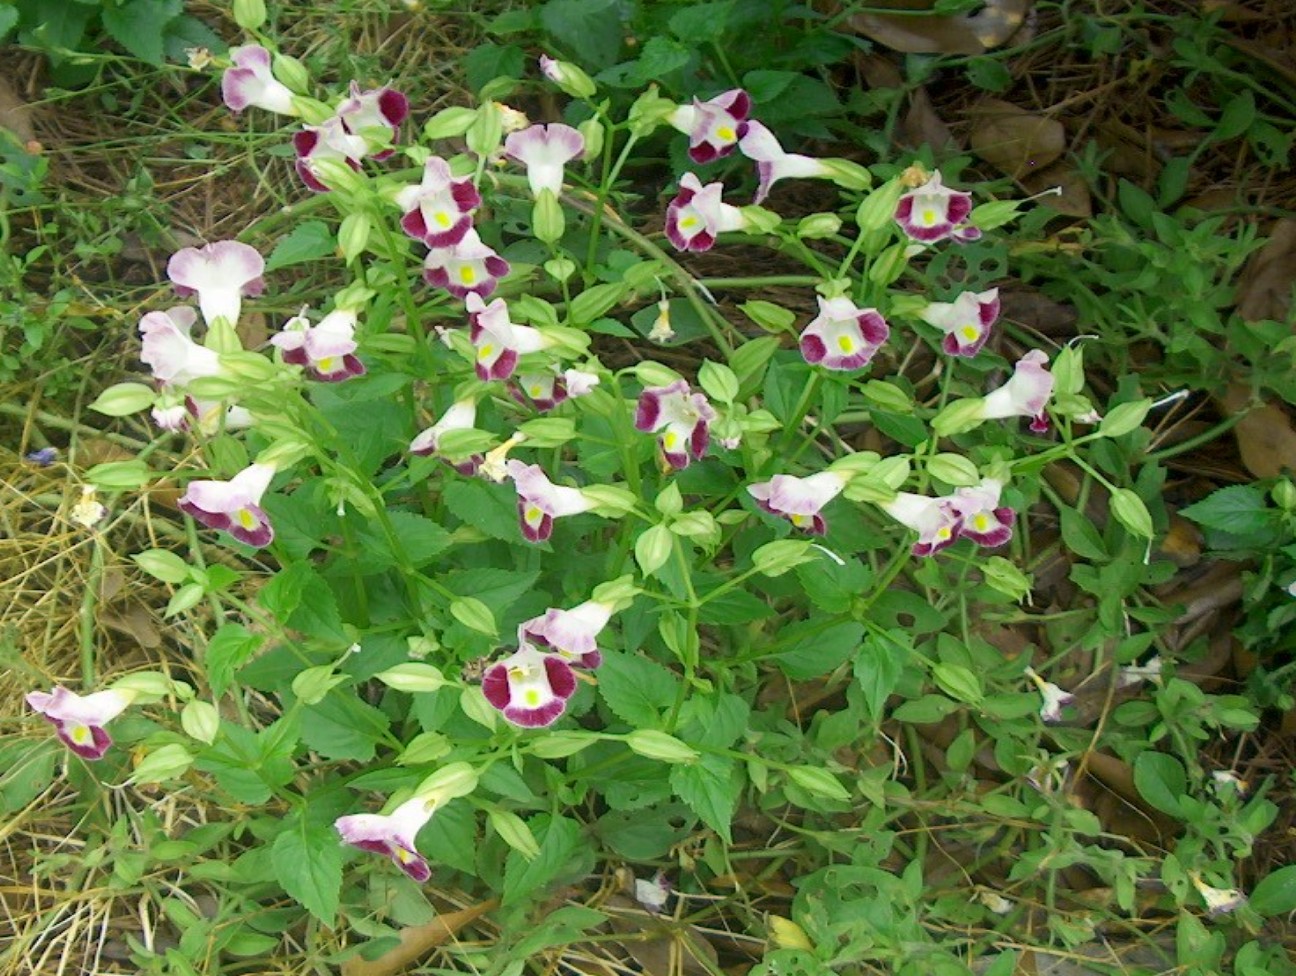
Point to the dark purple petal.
(259, 536)
(958, 208)
(561, 679)
(535, 718)
(449, 237)
(679, 461)
(813, 349)
(699, 439)
(874, 328)
(307, 177)
(414, 225)
(648, 412)
(94, 749)
(703, 153)
(416, 866)
(296, 357)
(465, 195)
(394, 106)
(495, 686)
(703, 240)
(502, 368)
(740, 105)
(1040, 423)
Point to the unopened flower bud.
(818, 226)
(567, 76)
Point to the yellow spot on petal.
(670, 439)
(245, 518)
(801, 521)
(80, 734)
(846, 343)
(442, 219)
(467, 275)
(942, 533)
(970, 332)
(726, 133)
(535, 392)
(326, 364)
(981, 521)
(485, 351)
(532, 697)
(403, 855)
(929, 217)
(534, 514)
(688, 222)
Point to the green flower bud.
(292, 73)
(475, 615)
(249, 14)
(877, 211)
(818, 225)
(776, 558)
(593, 133)
(200, 720)
(450, 122)
(412, 677)
(652, 744)
(164, 763)
(846, 174)
(547, 221)
(569, 77)
(957, 417)
(314, 683)
(124, 399)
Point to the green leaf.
(833, 588)
(815, 649)
(53, 25)
(636, 689)
(140, 25)
(343, 727)
(878, 666)
(700, 22)
(1276, 892)
(421, 539)
(185, 32)
(1237, 509)
(1161, 781)
(8, 20)
(1081, 536)
(499, 589)
(308, 241)
(1237, 116)
(308, 864)
(710, 787)
(491, 509)
(560, 839)
(300, 598)
(590, 29)
(229, 649)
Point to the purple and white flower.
(169, 351)
(461, 415)
(499, 343)
(391, 835)
(544, 150)
(843, 336)
(684, 419)
(467, 268)
(221, 274)
(799, 500)
(375, 115)
(1024, 395)
(936, 520)
(79, 721)
(966, 321)
(439, 210)
(328, 140)
(548, 389)
(540, 501)
(714, 126)
(571, 634)
(1053, 697)
(233, 506)
(933, 212)
(772, 163)
(983, 519)
(326, 349)
(250, 82)
(1219, 901)
(529, 687)
(697, 215)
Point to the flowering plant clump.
(523, 578)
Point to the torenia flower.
(966, 321)
(88, 511)
(221, 274)
(799, 500)
(498, 341)
(933, 212)
(79, 721)
(529, 687)
(1134, 674)
(571, 634)
(439, 210)
(1054, 697)
(1025, 395)
(772, 163)
(328, 140)
(234, 505)
(250, 82)
(467, 268)
(540, 501)
(984, 520)
(169, 351)
(547, 390)
(936, 520)
(697, 215)
(461, 416)
(843, 336)
(1219, 901)
(391, 835)
(544, 150)
(714, 126)
(375, 115)
(326, 349)
(684, 419)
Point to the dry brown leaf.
(15, 114)
(1013, 140)
(1182, 542)
(1074, 200)
(1265, 437)
(135, 622)
(921, 125)
(252, 330)
(977, 33)
(660, 945)
(1265, 285)
(1039, 313)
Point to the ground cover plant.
(569, 528)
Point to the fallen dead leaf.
(1265, 436)
(1073, 201)
(15, 113)
(1013, 140)
(922, 126)
(989, 27)
(1265, 286)
(416, 941)
(135, 622)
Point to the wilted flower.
(439, 210)
(933, 212)
(653, 893)
(1024, 395)
(326, 349)
(966, 321)
(697, 215)
(529, 688)
(1133, 674)
(799, 500)
(994, 901)
(1054, 697)
(249, 82)
(772, 163)
(467, 268)
(936, 520)
(88, 511)
(540, 501)
(661, 330)
(494, 463)
(572, 634)
(843, 336)
(544, 150)
(1219, 901)
(714, 126)
(43, 457)
(391, 835)
(233, 506)
(220, 274)
(1229, 779)
(684, 419)
(79, 721)
(982, 518)
(497, 340)
(461, 416)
